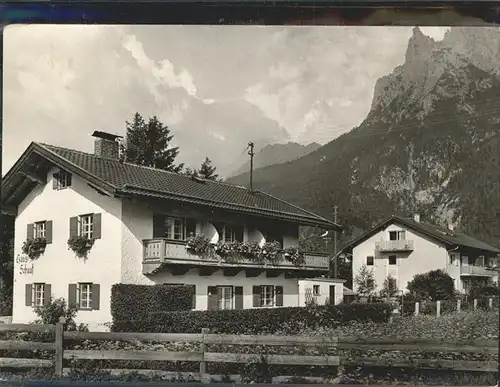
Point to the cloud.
(240, 83)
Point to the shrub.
(254, 321)
(435, 284)
(140, 302)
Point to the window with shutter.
(225, 297)
(84, 295)
(267, 295)
(62, 180)
(40, 229)
(38, 294)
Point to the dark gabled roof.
(125, 179)
(440, 234)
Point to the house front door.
(332, 295)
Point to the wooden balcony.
(160, 251)
(394, 246)
(481, 271)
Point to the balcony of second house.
(206, 244)
(402, 245)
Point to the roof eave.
(272, 214)
(58, 161)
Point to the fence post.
(438, 308)
(475, 303)
(417, 308)
(203, 349)
(490, 303)
(59, 348)
(459, 305)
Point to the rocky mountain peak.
(420, 46)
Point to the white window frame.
(372, 259)
(63, 180)
(38, 294)
(170, 230)
(229, 233)
(316, 290)
(400, 235)
(225, 297)
(84, 295)
(40, 230)
(265, 296)
(86, 226)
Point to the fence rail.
(204, 356)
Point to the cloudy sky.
(217, 87)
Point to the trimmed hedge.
(132, 304)
(255, 321)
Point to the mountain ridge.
(277, 153)
(412, 152)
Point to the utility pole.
(335, 264)
(251, 154)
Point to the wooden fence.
(204, 356)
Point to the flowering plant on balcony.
(294, 255)
(198, 244)
(80, 245)
(250, 250)
(271, 251)
(228, 249)
(33, 248)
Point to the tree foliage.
(206, 171)
(148, 143)
(434, 285)
(389, 287)
(365, 282)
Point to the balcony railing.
(161, 250)
(477, 270)
(389, 246)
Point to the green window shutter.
(48, 231)
(238, 297)
(212, 298)
(97, 226)
(72, 296)
(73, 226)
(28, 295)
(47, 292)
(279, 295)
(30, 232)
(96, 295)
(256, 296)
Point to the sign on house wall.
(26, 264)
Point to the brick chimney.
(416, 217)
(105, 145)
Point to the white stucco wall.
(324, 290)
(426, 255)
(59, 266)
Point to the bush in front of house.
(289, 320)
(140, 302)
